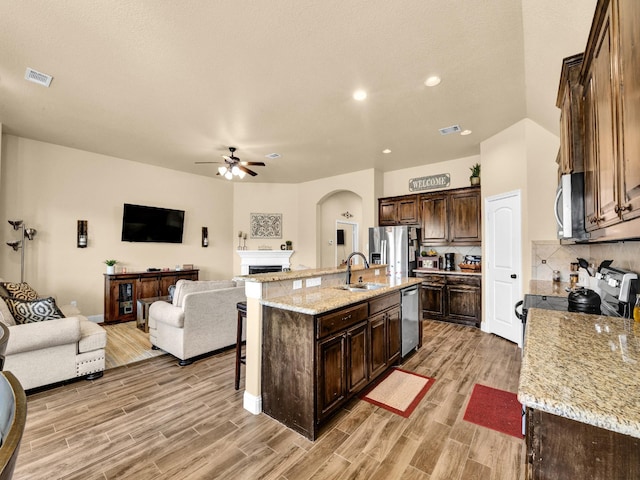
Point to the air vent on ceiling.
(273, 156)
(449, 130)
(38, 77)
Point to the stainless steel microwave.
(569, 207)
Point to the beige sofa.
(52, 351)
(202, 318)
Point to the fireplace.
(264, 268)
(277, 260)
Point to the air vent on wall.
(38, 77)
(273, 156)
(449, 130)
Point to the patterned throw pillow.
(21, 291)
(31, 311)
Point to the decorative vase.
(474, 181)
(111, 269)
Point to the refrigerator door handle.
(383, 252)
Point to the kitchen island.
(322, 343)
(580, 385)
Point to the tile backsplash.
(548, 256)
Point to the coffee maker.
(449, 261)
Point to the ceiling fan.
(233, 166)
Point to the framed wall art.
(266, 225)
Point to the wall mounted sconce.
(29, 234)
(347, 214)
(83, 233)
(205, 237)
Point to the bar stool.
(242, 315)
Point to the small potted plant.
(289, 245)
(475, 174)
(111, 266)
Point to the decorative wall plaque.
(429, 182)
(266, 225)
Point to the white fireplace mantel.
(263, 257)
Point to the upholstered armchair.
(201, 318)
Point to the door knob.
(513, 275)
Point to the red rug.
(495, 409)
(398, 391)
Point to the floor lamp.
(27, 233)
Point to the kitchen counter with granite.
(314, 301)
(447, 272)
(584, 368)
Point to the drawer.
(381, 303)
(336, 321)
(469, 280)
(432, 278)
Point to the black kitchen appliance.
(449, 261)
(584, 300)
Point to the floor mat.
(399, 391)
(495, 409)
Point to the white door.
(503, 265)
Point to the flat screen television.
(151, 224)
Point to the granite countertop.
(447, 272)
(583, 367)
(548, 288)
(314, 301)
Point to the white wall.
(330, 212)
(397, 182)
(51, 187)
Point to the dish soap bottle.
(636, 309)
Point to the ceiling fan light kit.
(233, 167)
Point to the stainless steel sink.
(361, 287)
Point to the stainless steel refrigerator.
(397, 247)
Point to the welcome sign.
(427, 183)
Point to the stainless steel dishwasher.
(410, 320)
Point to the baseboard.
(96, 318)
(252, 403)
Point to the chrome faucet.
(351, 255)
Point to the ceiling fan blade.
(256, 164)
(246, 170)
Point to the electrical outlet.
(377, 270)
(297, 284)
(314, 282)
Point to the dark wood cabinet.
(569, 102)
(451, 217)
(398, 211)
(558, 447)
(123, 290)
(453, 298)
(313, 364)
(611, 117)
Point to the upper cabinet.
(611, 116)
(451, 217)
(398, 211)
(570, 104)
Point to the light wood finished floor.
(127, 344)
(156, 420)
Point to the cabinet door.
(165, 282)
(331, 374)
(148, 287)
(432, 299)
(387, 213)
(394, 320)
(590, 159)
(357, 355)
(605, 147)
(122, 304)
(629, 141)
(378, 342)
(408, 211)
(433, 214)
(465, 218)
(463, 303)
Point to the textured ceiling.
(171, 83)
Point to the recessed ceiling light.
(386, 150)
(450, 130)
(432, 81)
(465, 132)
(359, 95)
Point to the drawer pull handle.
(346, 318)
